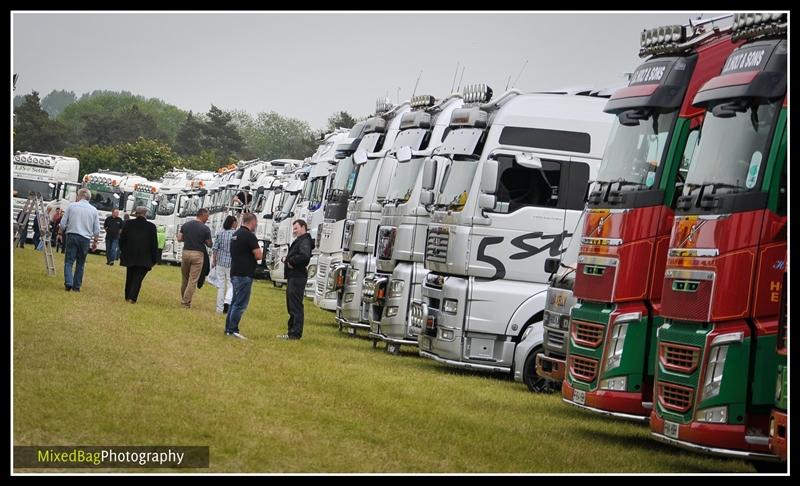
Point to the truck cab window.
(519, 186)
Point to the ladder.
(35, 204)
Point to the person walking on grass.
(196, 236)
(113, 226)
(245, 253)
(221, 259)
(296, 273)
(80, 225)
(138, 244)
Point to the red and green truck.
(716, 351)
(611, 347)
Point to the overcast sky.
(309, 66)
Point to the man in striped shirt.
(221, 259)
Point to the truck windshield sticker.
(752, 171)
(746, 60)
(649, 74)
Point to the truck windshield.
(190, 204)
(24, 186)
(166, 204)
(344, 180)
(733, 144)
(403, 179)
(634, 152)
(287, 204)
(104, 201)
(457, 181)
(364, 176)
(143, 200)
(314, 191)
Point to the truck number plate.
(425, 343)
(579, 397)
(671, 429)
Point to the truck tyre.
(534, 382)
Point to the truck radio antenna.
(520, 73)
(462, 77)
(455, 75)
(508, 82)
(416, 84)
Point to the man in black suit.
(138, 242)
(295, 263)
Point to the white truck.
(517, 170)
(311, 206)
(363, 216)
(110, 190)
(292, 185)
(190, 199)
(402, 232)
(53, 176)
(368, 135)
(173, 183)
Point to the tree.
(55, 102)
(147, 158)
(340, 119)
(220, 134)
(272, 136)
(189, 139)
(95, 157)
(34, 131)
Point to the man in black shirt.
(112, 225)
(196, 236)
(295, 263)
(245, 252)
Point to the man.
(80, 224)
(139, 245)
(112, 225)
(296, 274)
(245, 253)
(196, 236)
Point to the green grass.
(90, 369)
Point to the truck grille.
(583, 369)
(554, 339)
(587, 333)
(690, 306)
(322, 279)
(436, 247)
(676, 357)
(675, 397)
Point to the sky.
(311, 65)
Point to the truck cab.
(293, 185)
(402, 230)
(55, 177)
(516, 173)
(110, 190)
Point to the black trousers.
(295, 289)
(133, 282)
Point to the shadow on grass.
(672, 457)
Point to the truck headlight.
(619, 383)
(450, 306)
(716, 366)
(716, 415)
(526, 333)
(331, 295)
(312, 271)
(396, 288)
(391, 311)
(447, 335)
(352, 276)
(348, 297)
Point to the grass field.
(90, 369)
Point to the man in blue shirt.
(80, 224)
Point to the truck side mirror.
(429, 174)
(426, 198)
(403, 154)
(487, 202)
(551, 265)
(360, 156)
(489, 177)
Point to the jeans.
(112, 250)
(239, 302)
(77, 247)
(225, 291)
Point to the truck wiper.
(622, 183)
(723, 185)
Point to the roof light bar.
(664, 39)
(754, 25)
(422, 101)
(477, 93)
(382, 106)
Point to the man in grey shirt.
(196, 236)
(80, 224)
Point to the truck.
(610, 334)
(293, 183)
(363, 216)
(193, 197)
(516, 172)
(311, 207)
(110, 190)
(400, 246)
(716, 363)
(55, 177)
(173, 183)
(778, 420)
(368, 135)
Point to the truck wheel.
(534, 382)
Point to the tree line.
(129, 133)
